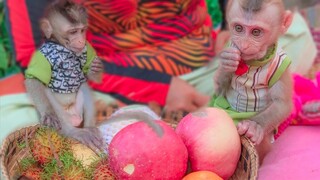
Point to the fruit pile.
(53, 156)
(206, 140)
(204, 144)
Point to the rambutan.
(102, 171)
(33, 173)
(29, 168)
(67, 168)
(46, 143)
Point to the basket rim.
(253, 155)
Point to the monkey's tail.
(137, 112)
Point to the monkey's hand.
(90, 136)
(95, 71)
(96, 66)
(230, 59)
(251, 130)
(50, 120)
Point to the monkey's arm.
(262, 125)
(281, 104)
(222, 82)
(36, 90)
(229, 61)
(268, 120)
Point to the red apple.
(137, 152)
(212, 141)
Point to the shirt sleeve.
(91, 54)
(284, 65)
(39, 68)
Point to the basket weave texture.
(11, 154)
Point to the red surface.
(12, 85)
(21, 32)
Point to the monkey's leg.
(89, 136)
(63, 116)
(36, 90)
(89, 113)
(265, 146)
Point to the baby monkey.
(56, 78)
(253, 82)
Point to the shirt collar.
(270, 55)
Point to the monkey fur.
(71, 111)
(255, 26)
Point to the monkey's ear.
(46, 27)
(286, 22)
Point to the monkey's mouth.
(252, 56)
(78, 50)
(248, 56)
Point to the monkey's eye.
(83, 30)
(256, 32)
(238, 28)
(73, 31)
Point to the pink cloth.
(308, 92)
(306, 96)
(295, 155)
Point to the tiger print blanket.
(143, 43)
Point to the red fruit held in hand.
(242, 68)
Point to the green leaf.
(3, 57)
(7, 62)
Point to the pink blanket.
(295, 156)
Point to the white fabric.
(299, 45)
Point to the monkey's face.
(254, 33)
(72, 36)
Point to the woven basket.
(248, 164)
(11, 154)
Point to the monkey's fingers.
(95, 69)
(242, 127)
(260, 138)
(231, 53)
(96, 139)
(96, 64)
(96, 145)
(52, 122)
(255, 133)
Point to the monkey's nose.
(81, 43)
(244, 46)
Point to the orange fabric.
(12, 85)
